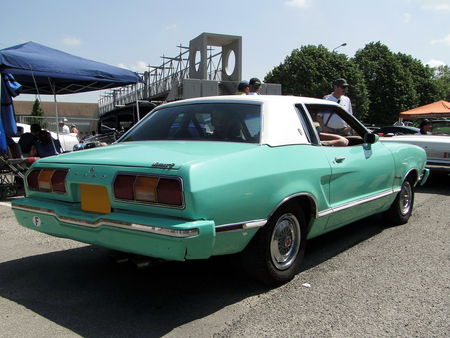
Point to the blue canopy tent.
(44, 70)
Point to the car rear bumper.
(154, 236)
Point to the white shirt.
(65, 129)
(344, 101)
(335, 122)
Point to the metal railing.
(159, 81)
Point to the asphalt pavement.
(366, 279)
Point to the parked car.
(222, 175)
(396, 130)
(436, 147)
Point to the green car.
(223, 175)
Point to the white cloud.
(406, 17)
(140, 66)
(298, 3)
(71, 41)
(445, 41)
(170, 27)
(436, 5)
(435, 63)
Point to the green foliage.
(310, 70)
(390, 87)
(37, 111)
(382, 83)
(441, 77)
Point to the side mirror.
(371, 138)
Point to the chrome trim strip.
(241, 226)
(178, 233)
(344, 206)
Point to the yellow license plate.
(94, 198)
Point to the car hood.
(156, 154)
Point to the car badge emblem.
(36, 221)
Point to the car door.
(361, 174)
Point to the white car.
(67, 140)
(437, 147)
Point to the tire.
(401, 208)
(275, 254)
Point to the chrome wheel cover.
(285, 241)
(405, 199)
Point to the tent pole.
(137, 104)
(52, 86)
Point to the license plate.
(94, 198)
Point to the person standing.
(338, 95)
(425, 127)
(63, 127)
(243, 88)
(255, 86)
(331, 122)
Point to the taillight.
(44, 180)
(123, 187)
(59, 181)
(32, 179)
(145, 188)
(47, 180)
(169, 192)
(148, 189)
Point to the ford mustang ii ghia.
(222, 175)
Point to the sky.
(136, 33)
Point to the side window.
(307, 124)
(329, 119)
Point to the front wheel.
(275, 254)
(401, 208)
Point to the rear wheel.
(275, 254)
(401, 208)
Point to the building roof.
(66, 109)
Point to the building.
(83, 115)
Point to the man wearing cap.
(333, 123)
(63, 127)
(243, 88)
(338, 95)
(255, 86)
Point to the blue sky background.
(136, 33)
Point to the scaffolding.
(208, 58)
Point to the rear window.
(228, 122)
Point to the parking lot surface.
(367, 279)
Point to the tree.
(390, 86)
(442, 79)
(310, 70)
(38, 113)
(423, 83)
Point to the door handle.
(339, 159)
